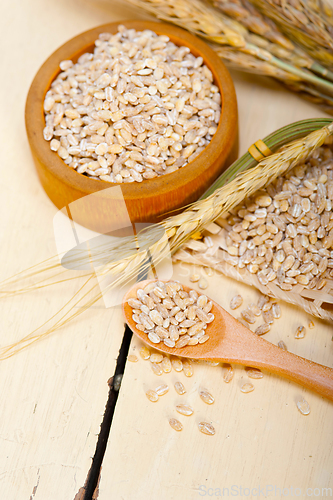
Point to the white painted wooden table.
(53, 395)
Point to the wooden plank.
(261, 439)
(53, 395)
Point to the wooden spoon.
(231, 342)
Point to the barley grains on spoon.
(231, 342)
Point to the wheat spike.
(207, 22)
(303, 23)
(235, 59)
(264, 33)
(253, 20)
(238, 60)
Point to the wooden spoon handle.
(309, 374)
(242, 346)
(312, 375)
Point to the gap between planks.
(90, 489)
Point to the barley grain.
(248, 316)
(166, 323)
(184, 409)
(236, 302)
(253, 372)
(175, 424)
(276, 311)
(228, 373)
(152, 396)
(203, 339)
(166, 364)
(153, 337)
(203, 317)
(177, 364)
(267, 307)
(206, 428)
(156, 317)
(194, 278)
(247, 387)
(132, 358)
(208, 307)
(282, 345)
(180, 389)
(211, 318)
(183, 341)
(146, 321)
(202, 301)
(268, 317)
(162, 389)
(156, 368)
(187, 368)
(161, 332)
(180, 316)
(262, 329)
(203, 284)
(300, 332)
(254, 309)
(156, 357)
(303, 406)
(206, 397)
(145, 353)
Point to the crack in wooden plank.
(90, 489)
(35, 487)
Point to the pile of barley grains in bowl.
(136, 108)
(168, 313)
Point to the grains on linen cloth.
(283, 234)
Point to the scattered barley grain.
(152, 396)
(186, 410)
(303, 406)
(179, 387)
(300, 332)
(253, 372)
(175, 424)
(206, 397)
(162, 389)
(247, 387)
(206, 428)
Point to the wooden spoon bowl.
(150, 200)
(231, 342)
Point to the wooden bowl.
(150, 200)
